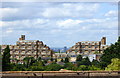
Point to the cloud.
(33, 23)
(24, 10)
(6, 12)
(57, 23)
(71, 10)
(9, 31)
(112, 14)
(68, 23)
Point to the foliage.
(79, 58)
(62, 60)
(84, 61)
(93, 68)
(18, 67)
(39, 59)
(53, 67)
(96, 52)
(66, 60)
(6, 59)
(55, 60)
(70, 66)
(28, 61)
(111, 52)
(37, 68)
(95, 63)
(83, 67)
(115, 65)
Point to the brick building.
(28, 48)
(87, 48)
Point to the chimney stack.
(103, 41)
(22, 37)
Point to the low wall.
(60, 74)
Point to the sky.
(58, 24)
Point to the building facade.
(28, 48)
(85, 48)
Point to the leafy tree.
(55, 60)
(83, 67)
(93, 68)
(62, 60)
(96, 52)
(37, 68)
(53, 67)
(66, 60)
(39, 59)
(0, 59)
(70, 66)
(6, 59)
(51, 59)
(18, 67)
(45, 61)
(0, 49)
(79, 58)
(39, 63)
(111, 52)
(28, 61)
(95, 63)
(85, 61)
(115, 65)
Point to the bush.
(93, 68)
(70, 66)
(115, 65)
(83, 67)
(37, 68)
(53, 67)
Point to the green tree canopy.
(92, 67)
(111, 52)
(28, 61)
(95, 63)
(69, 66)
(53, 67)
(82, 68)
(85, 61)
(66, 60)
(115, 65)
(6, 59)
(79, 58)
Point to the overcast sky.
(59, 24)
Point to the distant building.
(87, 48)
(28, 48)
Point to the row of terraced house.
(35, 48)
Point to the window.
(89, 46)
(83, 46)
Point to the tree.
(6, 59)
(95, 63)
(18, 67)
(79, 58)
(0, 50)
(85, 61)
(115, 65)
(83, 67)
(111, 52)
(37, 68)
(39, 59)
(93, 68)
(53, 67)
(28, 61)
(62, 60)
(66, 60)
(55, 60)
(69, 66)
